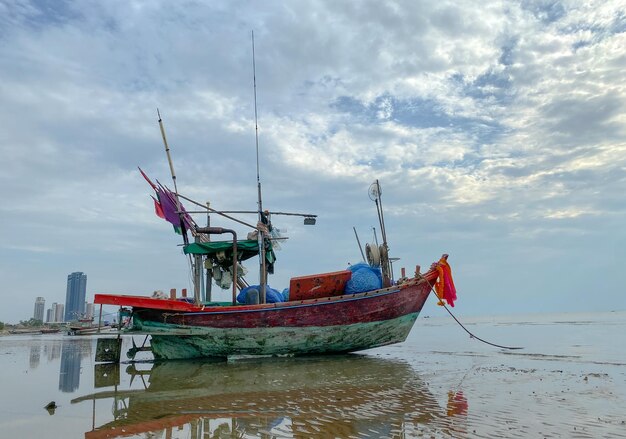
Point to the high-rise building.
(89, 310)
(58, 312)
(40, 306)
(75, 296)
(50, 314)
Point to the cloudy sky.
(497, 130)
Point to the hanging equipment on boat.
(373, 254)
(221, 230)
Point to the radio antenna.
(256, 131)
(262, 220)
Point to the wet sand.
(568, 381)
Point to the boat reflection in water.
(337, 396)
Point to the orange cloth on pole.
(439, 285)
(444, 287)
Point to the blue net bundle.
(364, 278)
(271, 295)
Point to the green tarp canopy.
(247, 248)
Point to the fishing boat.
(323, 313)
(342, 311)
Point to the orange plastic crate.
(318, 285)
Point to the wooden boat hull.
(328, 325)
(225, 342)
(89, 330)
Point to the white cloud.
(501, 125)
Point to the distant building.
(50, 315)
(40, 306)
(75, 296)
(59, 309)
(89, 307)
(53, 312)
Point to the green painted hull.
(184, 342)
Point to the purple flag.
(167, 199)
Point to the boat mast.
(384, 249)
(196, 264)
(169, 160)
(260, 235)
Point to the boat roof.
(246, 247)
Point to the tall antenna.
(261, 238)
(256, 131)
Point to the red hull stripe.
(372, 308)
(289, 307)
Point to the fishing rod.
(262, 219)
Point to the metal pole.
(169, 160)
(382, 216)
(386, 263)
(260, 237)
(209, 271)
(100, 319)
(197, 276)
(234, 268)
(359, 243)
(217, 212)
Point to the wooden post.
(198, 278)
(100, 319)
(184, 292)
(173, 293)
(209, 270)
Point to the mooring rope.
(432, 290)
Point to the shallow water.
(568, 381)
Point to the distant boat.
(86, 327)
(50, 330)
(24, 331)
